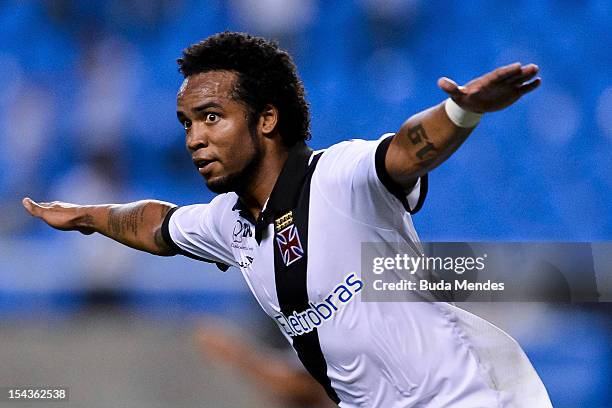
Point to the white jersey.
(302, 262)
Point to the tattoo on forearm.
(121, 221)
(87, 220)
(417, 136)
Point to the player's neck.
(263, 182)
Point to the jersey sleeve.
(354, 179)
(195, 231)
(412, 200)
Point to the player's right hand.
(62, 216)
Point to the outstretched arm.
(428, 138)
(137, 224)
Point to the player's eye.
(211, 117)
(187, 124)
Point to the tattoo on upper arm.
(121, 221)
(418, 136)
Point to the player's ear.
(268, 120)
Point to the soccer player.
(293, 220)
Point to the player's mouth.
(203, 165)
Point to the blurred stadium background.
(87, 114)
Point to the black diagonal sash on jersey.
(292, 193)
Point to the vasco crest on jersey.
(288, 239)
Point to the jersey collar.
(286, 191)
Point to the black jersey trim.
(292, 193)
(422, 194)
(284, 195)
(165, 231)
(395, 189)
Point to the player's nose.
(196, 138)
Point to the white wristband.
(459, 116)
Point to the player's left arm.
(428, 138)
